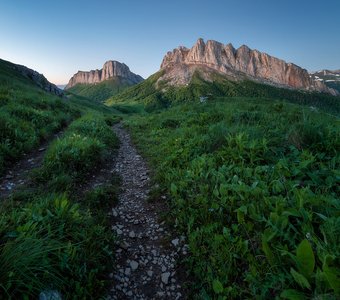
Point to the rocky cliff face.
(328, 77)
(110, 69)
(237, 64)
(39, 79)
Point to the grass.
(53, 238)
(87, 144)
(253, 183)
(164, 96)
(53, 235)
(101, 91)
(28, 115)
(254, 186)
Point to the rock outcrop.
(111, 69)
(237, 64)
(39, 79)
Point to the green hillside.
(101, 91)
(28, 115)
(53, 233)
(153, 98)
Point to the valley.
(217, 177)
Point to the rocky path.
(17, 175)
(146, 253)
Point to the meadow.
(252, 182)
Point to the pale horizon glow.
(60, 38)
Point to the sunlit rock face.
(180, 64)
(111, 69)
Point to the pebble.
(134, 265)
(175, 242)
(165, 277)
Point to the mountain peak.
(111, 69)
(237, 64)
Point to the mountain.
(329, 78)
(101, 84)
(205, 71)
(236, 64)
(33, 76)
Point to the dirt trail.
(146, 253)
(17, 175)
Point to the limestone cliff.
(111, 69)
(237, 64)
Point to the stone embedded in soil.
(175, 242)
(134, 265)
(145, 265)
(165, 277)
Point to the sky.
(58, 38)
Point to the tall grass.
(28, 115)
(50, 243)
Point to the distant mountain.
(329, 78)
(180, 64)
(33, 76)
(212, 70)
(61, 86)
(101, 84)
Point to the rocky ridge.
(39, 79)
(328, 77)
(180, 64)
(111, 69)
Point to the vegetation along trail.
(146, 253)
(18, 174)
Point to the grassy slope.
(28, 114)
(146, 93)
(101, 91)
(50, 236)
(253, 185)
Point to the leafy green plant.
(48, 244)
(253, 185)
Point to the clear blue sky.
(58, 38)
